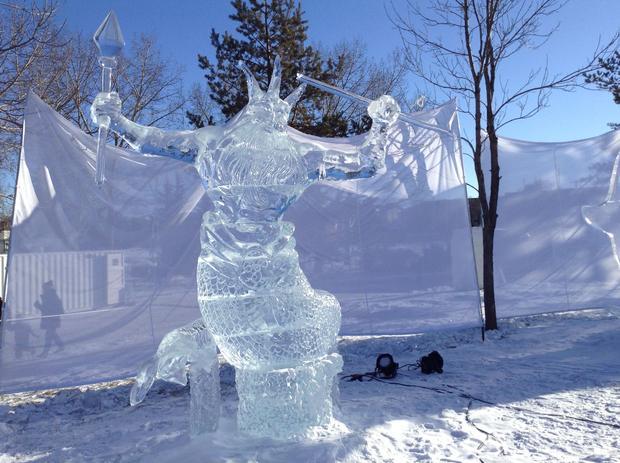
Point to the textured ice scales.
(256, 302)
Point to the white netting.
(395, 250)
(552, 247)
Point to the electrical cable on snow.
(479, 429)
(372, 376)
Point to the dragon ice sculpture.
(256, 303)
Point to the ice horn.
(254, 89)
(295, 95)
(276, 77)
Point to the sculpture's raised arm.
(331, 160)
(179, 144)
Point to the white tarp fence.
(97, 276)
(553, 250)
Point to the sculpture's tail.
(192, 346)
(144, 380)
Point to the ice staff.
(109, 40)
(365, 102)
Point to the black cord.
(465, 395)
(410, 366)
(374, 374)
(360, 376)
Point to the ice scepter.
(366, 101)
(109, 40)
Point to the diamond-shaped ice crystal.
(109, 38)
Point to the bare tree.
(66, 77)
(459, 46)
(150, 85)
(78, 83)
(37, 55)
(356, 72)
(27, 33)
(202, 109)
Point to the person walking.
(51, 308)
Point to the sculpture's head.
(266, 108)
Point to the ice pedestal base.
(269, 323)
(284, 403)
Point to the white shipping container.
(83, 280)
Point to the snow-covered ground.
(549, 390)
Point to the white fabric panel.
(396, 250)
(121, 258)
(553, 251)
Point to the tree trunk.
(490, 317)
(490, 220)
(488, 231)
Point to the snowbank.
(554, 382)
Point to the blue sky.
(183, 29)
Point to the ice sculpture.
(192, 346)
(109, 40)
(266, 319)
(604, 217)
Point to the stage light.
(385, 366)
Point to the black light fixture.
(386, 367)
(431, 363)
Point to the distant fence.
(82, 280)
